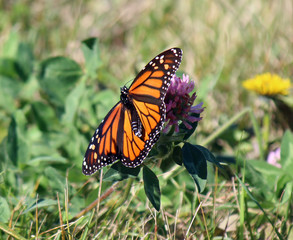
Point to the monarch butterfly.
(131, 128)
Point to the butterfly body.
(132, 126)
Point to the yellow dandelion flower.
(268, 84)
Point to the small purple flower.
(179, 103)
(274, 157)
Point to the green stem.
(228, 124)
(223, 128)
(10, 232)
(257, 134)
(266, 131)
(242, 205)
(88, 226)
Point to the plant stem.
(257, 134)
(223, 128)
(11, 232)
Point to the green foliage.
(44, 137)
(39, 204)
(57, 76)
(91, 52)
(287, 153)
(281, 178)
(4, 210)
(16, 67)
(196, 164)
(151, 187)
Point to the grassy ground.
(223, 42)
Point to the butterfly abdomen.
(136, 124)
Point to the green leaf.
(266, 168)
(90, 48)
(57, 77)
(254, 178)
(18, 66)
(152, 187)
(11, 45)
(4, 210)
(105, 99)
(208, 155)
(287, 152)
(287, 192)
(72, 102)
(25, 60)
(194, 161)
(119, 172)
(72, 143)
(45, 116)
(8, 69)
(12, 140)
(41, 203)
(9, 91)
(225, 159)
(281, 185)
(56, 180)
(17, 148)
(46, 159)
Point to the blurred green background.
(224, 42)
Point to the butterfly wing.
(114, 139)
(105, 146)
(147, 93)
(134, 146)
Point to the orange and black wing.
(114, 139)
(105, 146)
(147, 93)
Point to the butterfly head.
(124, 97)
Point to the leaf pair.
(195, 159)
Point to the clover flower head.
(179, 103)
